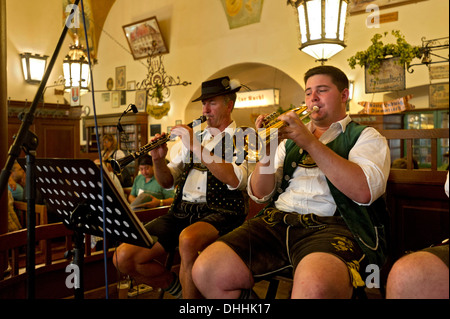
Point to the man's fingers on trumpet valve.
(259, 123)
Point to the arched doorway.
(256, 76)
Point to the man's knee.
(414, 270)
(195, 238)
(219, 262)
(122, 258)
(322, 275)
(205, 266)
(127, 257)
(415, 265)
(204, 270)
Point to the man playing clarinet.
(210, 182)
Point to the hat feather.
(234, 83)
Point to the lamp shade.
(321, 26)
(76, 68)
(33, 66)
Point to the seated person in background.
(17, 187)
(13, 220)
(421, 275)
(146, 191)
(209, 201)
(110, 148)
(16, 182)
(323, 186)
(111, 151)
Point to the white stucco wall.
(201, 44)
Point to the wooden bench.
(41, 212)
(21, 209)
(415, 197)
(432, 175)
(51, 264)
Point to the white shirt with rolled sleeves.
(195, 187)
(308, 191)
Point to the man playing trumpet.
(322, 223)
(209, 199)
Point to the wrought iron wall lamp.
(158, 82)
(429, 49)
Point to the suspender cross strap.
(218, 197)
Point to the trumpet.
(269, 133)
(119, 164)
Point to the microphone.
(134, 108)
(131, 107)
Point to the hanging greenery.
(378, 51)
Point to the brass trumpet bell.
(255, 146)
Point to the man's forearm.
(162, 173)
(222, 170)
(261, 183)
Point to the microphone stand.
(28, 141)
(130, 107)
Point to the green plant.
(157, 93)
(378, 51)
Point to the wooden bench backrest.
(420, 176)
(41, 212)
(12, 242)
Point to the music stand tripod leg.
(29, 146)
(77, 218)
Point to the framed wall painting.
(439, 95)
(141, 99)
(131, 85)
(123, 97)
(115, 99)
(143, 37)
(239, 15)
(155, 129)
(359, 6)
(120, 78)
(106, 97)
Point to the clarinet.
(119, 164)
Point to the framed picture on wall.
(115, 99)
(358, 6)
(141, 99)
(439, 95)
(106, 97)
(155, 129)
(144, 38)
(123, 97)
(120, 78)
(131, 85)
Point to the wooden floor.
(260, 288)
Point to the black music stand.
(73, 189)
